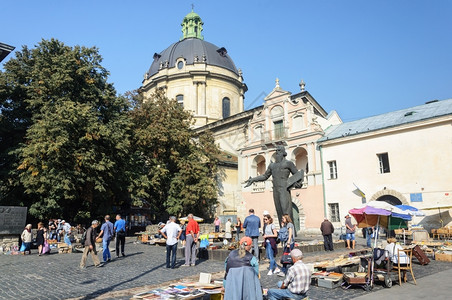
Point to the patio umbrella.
(439, 207)
(197, 219)
(378, 213)
(411, 210)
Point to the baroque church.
(336, 157)
(203, 78)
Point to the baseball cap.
(296, 253)
(247, 240)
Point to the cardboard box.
(329, 283)
(443, 257)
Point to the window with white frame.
(383, 160)
(333, 169)
(180, 100)
(334, 212)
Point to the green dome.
(192, 26)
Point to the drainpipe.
(323, 182)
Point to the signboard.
(416, 197)
(12, 219)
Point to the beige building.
(401, 157)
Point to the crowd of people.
(56, 230)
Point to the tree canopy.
(73, 130)
(70, 147)
(177, 168)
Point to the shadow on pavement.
(110, 288)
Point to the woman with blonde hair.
(287, 222)
(290, 243)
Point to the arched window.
(258, 166)
(226, 107)
(180, 100)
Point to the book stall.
(186, 290)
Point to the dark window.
(279, 129)
(383, 160)
(180, 100)
(180, 65)
(333, 169)
(226, 107)
(334, 212)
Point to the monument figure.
(280, 171)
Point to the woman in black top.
(40, 237)
(238, 228)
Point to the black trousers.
(120, 240)
(328, 242)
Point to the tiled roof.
(430, 110)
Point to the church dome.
(192, 50)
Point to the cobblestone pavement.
(57, 276)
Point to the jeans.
(217, 228)
(238, 235)
(171, 254)
(274, 294)
(270, 255)
(67, 240)
(255, 250)
(105, 251)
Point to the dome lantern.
(192, 26)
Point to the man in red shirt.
(192, 235)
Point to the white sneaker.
(277, 270)
(281, 274)
(270, 272)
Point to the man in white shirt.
(171, 232)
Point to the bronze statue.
(280, 171)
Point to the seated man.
(297, 281)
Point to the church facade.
(203, 78)
(336, 157)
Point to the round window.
(180, 65)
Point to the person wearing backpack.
(106, 232)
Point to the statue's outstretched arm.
(262, 177)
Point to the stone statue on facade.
(280, 171)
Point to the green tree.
(176, 169)
(75, 153)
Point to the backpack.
(83, 239)
(283, 234)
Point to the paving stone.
(57, 276)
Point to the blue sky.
(360, 58)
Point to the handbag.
(286, 258)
